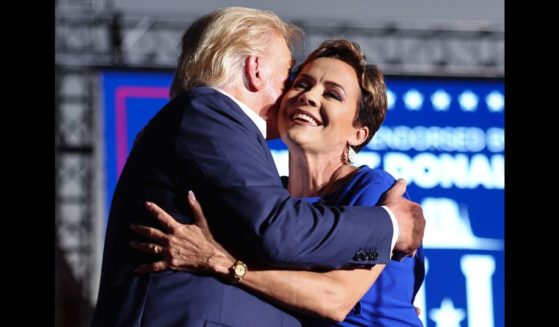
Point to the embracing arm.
(231, 169)
(330, 294)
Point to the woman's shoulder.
(373, 181)
(367, 186)
(374, 175)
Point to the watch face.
(240, 270)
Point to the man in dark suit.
(210, 138)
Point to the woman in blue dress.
(331, 110)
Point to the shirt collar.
(257, 120)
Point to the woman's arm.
(329, 294)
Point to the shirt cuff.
(394, 228)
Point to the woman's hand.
(186, 247)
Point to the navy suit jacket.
(202, 141)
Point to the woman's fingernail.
(148, 204)
(191, 196)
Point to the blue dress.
(389, 302)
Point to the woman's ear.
(253, 73)
(360, 136)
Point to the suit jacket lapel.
(232, 109)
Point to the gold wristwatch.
(238, 270)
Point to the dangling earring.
(350, 154)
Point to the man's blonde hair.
(215, 46)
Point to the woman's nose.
(307, 98)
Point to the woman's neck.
(315, 175)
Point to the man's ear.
(359, 136)
(253, 73)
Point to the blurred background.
(444, 133)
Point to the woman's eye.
(300, 85)
(334, 95)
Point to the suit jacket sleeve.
(222, 157)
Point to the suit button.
(359, 256)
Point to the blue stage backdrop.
(445, 136)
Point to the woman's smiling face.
(318, 112)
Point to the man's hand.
(409, 216)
